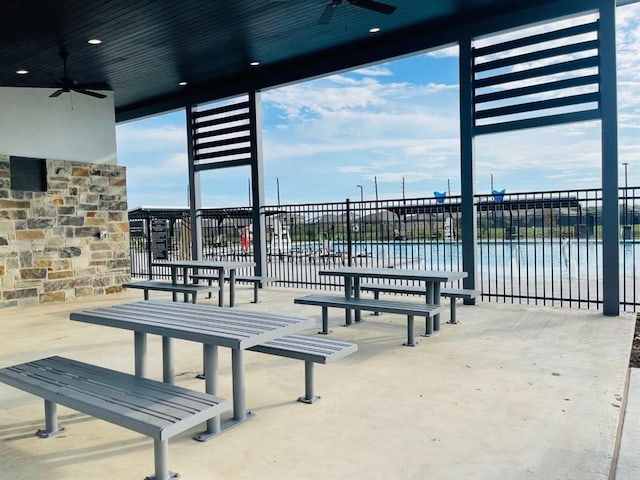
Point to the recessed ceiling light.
(374, 29)
(22, 71)
(94, 41)
(182, 84)
(254, 64)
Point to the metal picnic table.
(207, 324)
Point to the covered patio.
(512, 391)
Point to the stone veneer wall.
(50, 246)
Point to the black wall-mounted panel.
(28, 174)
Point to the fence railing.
(534, 247)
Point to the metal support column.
(257, 184)
(467, 166)
(195, 197)
(609, 133)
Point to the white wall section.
(72, 126)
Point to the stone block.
(43, 263)
(29, 234)
(95, 221)
(81, 232)
(26, 259)
(57, 275)
(102, 255)
(4, 204)
(21, 293)
(49, 297)
(88, 207)
(68, 220)
(117, 217)
(80, 172)
(45, 211)
(84, 291)
(67, 210)
(117, 181)
(68, 252)
(4, 241)
(4, 193)
(1, 270)
(20, 225)
(113, 289)
(41, 223)
(33, 273)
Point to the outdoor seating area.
(540, 397)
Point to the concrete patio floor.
(511, 392)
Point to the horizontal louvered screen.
(222, 136)
(537, 80)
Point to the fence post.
(349, 232)
(149, 246)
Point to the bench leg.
(325, 321)
(452, 318)
(194, 297)
(309, 397)
(51, 427)
(428, 326)
(161, 461)
(146, 294)
(210, 282)
(410, 342)
(376, 296)
(255, 291)
(210, 371)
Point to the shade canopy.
(148, 47)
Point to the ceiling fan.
(67, 84)
(373, 5)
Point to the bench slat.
(465, 293)
(170, 287)
(301, 347)
(152, 408)
(375, 305)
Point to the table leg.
(140, 353)
(167, 360)
(237, 372)
(210, 367)
(436, 301)
(185, 280)
(348, 287)
(174, 281)
(428, 327)
(356, 294)
(221, 287)
(232, 287)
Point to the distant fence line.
(534, 247)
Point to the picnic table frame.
(220, 267)
(209, 325)
(432, 279)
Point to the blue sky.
(392, 121)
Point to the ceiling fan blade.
(89, 92)
(374, 5)
(327, 14)
(57, 93)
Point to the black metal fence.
(535, 247)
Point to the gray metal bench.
(187, 289)
(451, 293)
(309, 349)
(410, 309)
(256, 281)
(155, 409)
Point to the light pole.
(361, 193)
(626, 206)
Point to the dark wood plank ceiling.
(151, 45)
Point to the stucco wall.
(50, 245)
